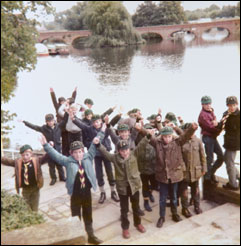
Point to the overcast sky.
(132, 5)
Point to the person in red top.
(208, 123)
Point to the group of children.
(159, 155)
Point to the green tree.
(72, 19)
(18, 37)
(238, 9)
(110, 24)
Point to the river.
(167, 75)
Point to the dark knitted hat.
(206, 100)
(25, 147)
(122, 145)
(171, 117)
(167, 130)
(152, 117)
(88, 101)
(231, 100)
(49, 117)
(186, 126)
(76, 145)
(123, 127)
(88, 111)
(148, 126)
(95, 117)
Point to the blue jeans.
(212, 146)
(164, 189)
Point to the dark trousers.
(148, 184)
(99, 171)
(212, 146)
(65, 143)
(195, 193)
(85, 204)
(164, 190)
(52, 164)
(124, 205)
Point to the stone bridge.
(165, 31)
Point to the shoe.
(102, 197)
(114, 196)
(229, 187)
(62, 179)
(141, 228)
(198, 210)
(53, 181)
(186, 213)
(160, 222)
(176, 218)
(140, 212)
(214, 179)
(126, 234)
(152, 199)
(94, 240)
(147, 206)
(191, 202)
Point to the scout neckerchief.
(82, 176)
(26, 181)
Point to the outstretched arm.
(54, 100)
(187, 134)
(7, 162)
(32, 126)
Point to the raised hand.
(96, 140)
(106, 119)
(113, 108)
(171, 124)
(42, 139)
(179, 118)
(75, 89)
(51, 89)
(51, 143)
(159, 111)
(121, 110)
(194, 126)
(20, 120)
(103, 127)
(158, 118)
(138, 126)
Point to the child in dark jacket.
(208, 123)
(92, 131)
(28, 174)
(52, 131)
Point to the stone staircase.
(216, 225)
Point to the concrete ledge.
(65, 231)
(220, 195)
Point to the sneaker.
(152, 199)
(114, 196)
(186, 213)
(102, 198)
(141, 228)
(53, 181)
(126, 234)
(147, 206)
(160, 222)
(229, 187)
(94, 240)
(176, 218)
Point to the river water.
(167, 75)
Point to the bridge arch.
(152, 36)
(216, 33)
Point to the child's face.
(125, 153)
(77, 154)
(89, 106)
(207, 107)
(89, 116)
(50, 123)
(232, 107)
(167, 138)
(124, 134)
(26, 155)
(97, 124)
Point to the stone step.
(219, 225)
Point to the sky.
(132, 5)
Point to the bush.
(16, 214)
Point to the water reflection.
(112, 65)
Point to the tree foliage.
(110, 24)
(18, 37)
(165, 13)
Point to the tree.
(72, 19)
(18, 37)
(110, 24)
(238, 9)
(166, 13)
